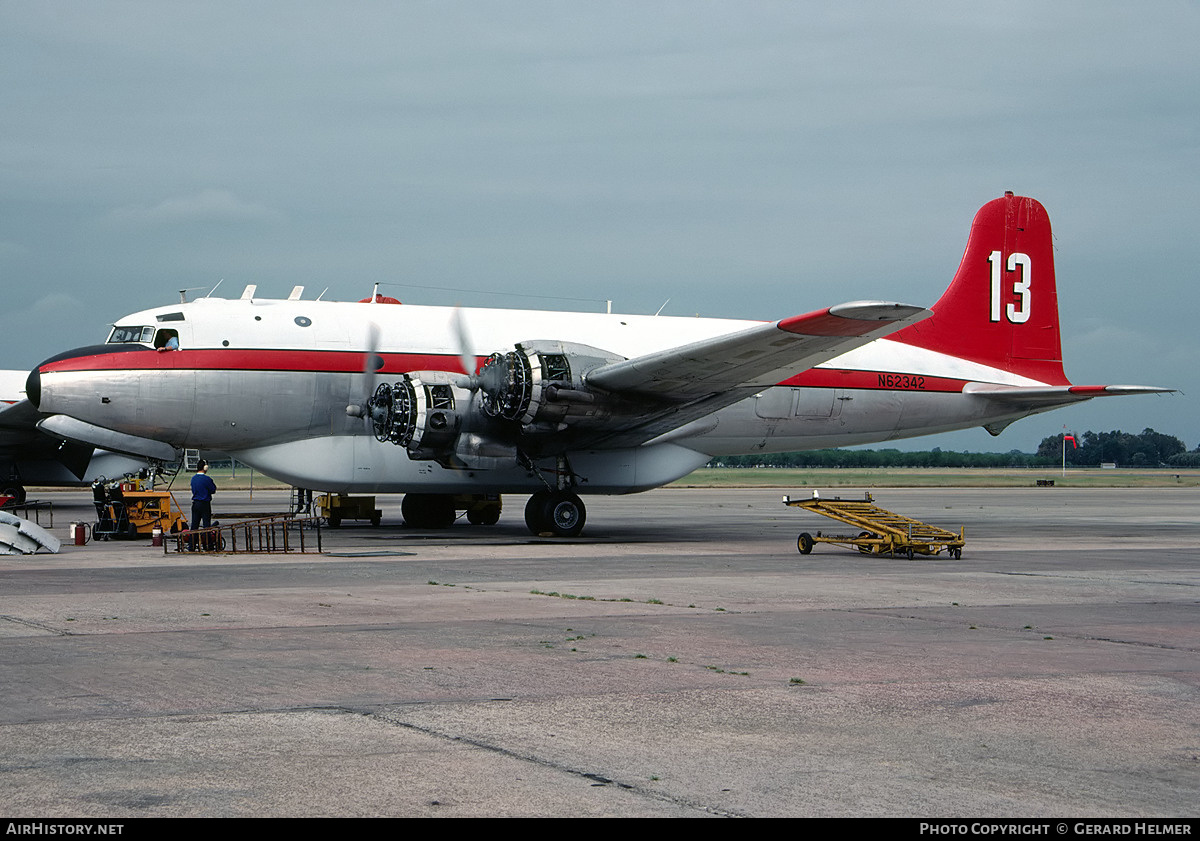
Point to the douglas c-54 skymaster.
(566, 403)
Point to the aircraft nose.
(33, 383)
(33, 388)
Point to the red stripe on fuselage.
(321, 361)
(873, 380)
(351, 362)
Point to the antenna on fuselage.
(183, 293)
(214, 289)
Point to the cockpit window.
(167, 339)
(130, 335)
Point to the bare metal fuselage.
(269, 382)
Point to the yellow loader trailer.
(877, 530)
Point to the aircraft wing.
(20, 415)
(688, 382)
(760, 356)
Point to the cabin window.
(131, 335)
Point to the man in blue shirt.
(203, 489)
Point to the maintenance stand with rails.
(879, 531)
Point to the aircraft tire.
(535, 512)
(483, 515)
(428, 511)
(562, 513)
(17, 492)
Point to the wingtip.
(856, 318)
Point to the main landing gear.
(557, 512)
(560, 513)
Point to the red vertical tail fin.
(1001, 309)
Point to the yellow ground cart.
(123, 511)
(337, 507)
(878, 531)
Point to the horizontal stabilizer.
(1057, 394)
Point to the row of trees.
(1147, 449)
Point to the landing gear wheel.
(428, 511)
(561, 513)
(484, 515)
(566, 514)
(535, 512)
(804, 543)
(17, 492)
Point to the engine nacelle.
(517, 399)
(540, 385)
(422, 412)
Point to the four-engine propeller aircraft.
(380, 397)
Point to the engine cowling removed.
(518, 398)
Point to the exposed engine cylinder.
(420, 412)
(539, 384)
(517, 398)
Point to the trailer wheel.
(957, 553)
(804, 543)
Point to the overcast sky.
(743, 159)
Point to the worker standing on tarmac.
(203, 489)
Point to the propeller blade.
(372, 362)
(466, 353)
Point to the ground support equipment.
(877, 530)
(338, 507)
